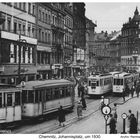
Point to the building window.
(33, 9)
(33, 32)
(23, 29)
(19, 27)
(9, 25)
(29, 30)
(39, 34)
(24, 6)
(15, 27)
(29, 8)
(39, 15)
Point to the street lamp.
(20, 43)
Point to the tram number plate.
(117, 89)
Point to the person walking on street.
(83, 102)
(137, 89)
(123, 95)
(79, 109)
(129, 118)
(112, 124)
(114, 110)
(132, 91)
(79, 87)
(61, 116)
(133, 124)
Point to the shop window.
(17, 98)
(9, 99)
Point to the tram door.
(2, 107)
(10, 107)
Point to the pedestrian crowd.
(81, 105)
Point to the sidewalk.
(96, 123)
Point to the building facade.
(130, 59)
(79, 37)
(89, 53)
(115, 52)
(18, 43)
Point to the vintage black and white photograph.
(69, 67)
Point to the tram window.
(56, 93)
(24, 96)
(62, 93)
(48, 94)
(30, 96)
(36, 96)
(17, 98)
(40, 99)
(0, 99)
(9, 99)
(97, 83)
(89, 83)
(67, 91)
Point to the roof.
(115, 35)
(30, 85)
(123, 74)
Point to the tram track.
(55, 127)
(75, 118)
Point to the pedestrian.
(61, 116)
(112, 124)
(123, 95)
(133, 124)
(83, 102)
(79, 87)
(102, 102)
(129, 118)
(137, 89)
(114, 112)
(82, 90)
(132, 91)
(79, 109)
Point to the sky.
(110, 16)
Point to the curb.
(126, 100)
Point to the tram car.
(120, 80)
(99, 84)
(10, 104)
(43, 97)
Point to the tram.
(99, 84)
(42, 97)
(120, 80)
(10, 104)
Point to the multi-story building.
(68, 44)
(130, 50)
(44, 37)
(101, 47)
(90, 56)
(18, 43)
(79, 36)
(115, 53)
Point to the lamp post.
(20, 44)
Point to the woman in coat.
(61, 116)
(133, 125)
